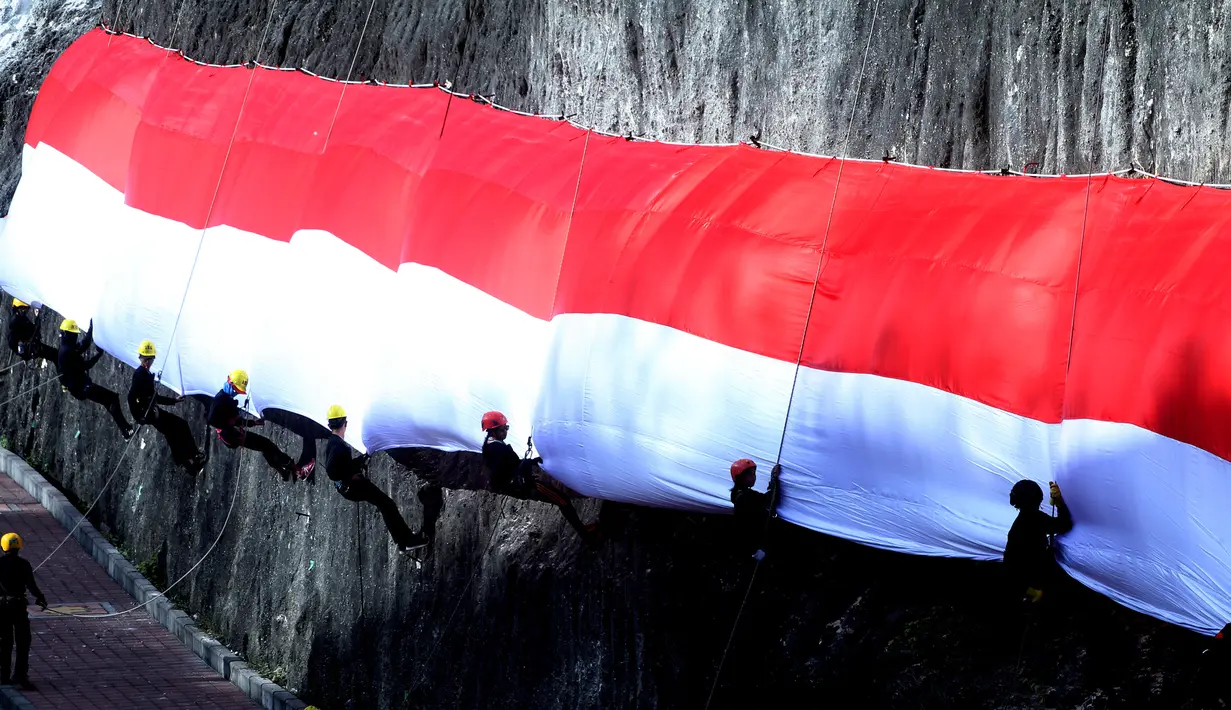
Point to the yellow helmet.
(18, 303)
(239, 380)
(69, 326)
(336, 412)
(147, 349)
(10, 541)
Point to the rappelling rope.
(140, 425)
(346, 83)
(460, 598)
(214, 544)
(183, 300)
(456, 68)
(101, 491)
(25, 392)
(585, 149)
(119, 13)
(13, 366)
(816, 279)
(218, 186)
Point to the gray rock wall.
(536, 620)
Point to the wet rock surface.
(511, 609)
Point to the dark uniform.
(74, 368)
(513, 476)
(1028, 554)
(143, 401)
(23, 337)
(232, 428)
(346, 472)
(752, 511)
(16, 576)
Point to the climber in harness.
(1028, 554)
(74, 369)
(524, 478)
(143, 401)
(23, 333)
(16, 576)
(348, 475)
(226, 418)
(753, 509)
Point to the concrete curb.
(268, 694)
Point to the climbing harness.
(816, 279)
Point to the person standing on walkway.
(74, 369)
(143, 401)
(232, 428)
(347, 474)
(16, 576)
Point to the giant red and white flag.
(966, 330)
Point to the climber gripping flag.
(753, 508)
(232, 427)
(524, 478)
(348, 475)
(23, 333)
(74, 368)
(143, 401)
(1028, 554)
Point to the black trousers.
(361, 490)
(108, 399)
(178, 435)
(14, 624)
(544, 491)
(235, 437)
(537, 485)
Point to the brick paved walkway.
(126, 662)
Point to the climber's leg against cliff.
(432, 498)
(361, 490)
(179, 439)
(236, 437)
(111, 401)
(549, 490)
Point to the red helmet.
(741, 466)
(491, 420)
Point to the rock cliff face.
(511, 610)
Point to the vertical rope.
(346, 82)
(456, 68)
(119, 14)
(833, 203)
(1081, 248)
(226, 159)
(568, 229)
